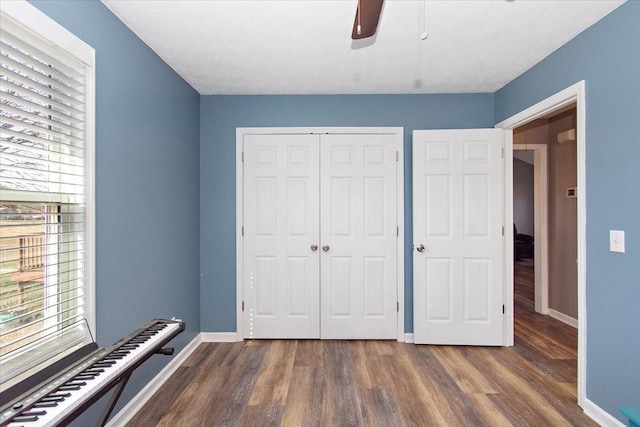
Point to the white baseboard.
(599, 415)
(408, 338)
(563, 318)
(219, 337)
(139, 400)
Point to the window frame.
(41, 25)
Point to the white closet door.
(281, 227)
(457, 226)
(358, 237)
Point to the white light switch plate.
(616, 241)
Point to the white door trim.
(574, 93)
(240, 132)
(540, 228)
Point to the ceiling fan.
(367, 17)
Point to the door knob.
(420, 248)
(325, 248)
(314, 247)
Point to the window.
(46, 190)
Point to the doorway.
(318, 241)
(531, 226)
(546, 218)
(572, 95)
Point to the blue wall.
(148, 144)
(147, 138)
(219, 117)
(607, 57)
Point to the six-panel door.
(457, 226)
(320, 236)
(358, 234)
(281, 223)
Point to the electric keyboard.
(60, 399)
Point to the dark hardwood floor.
(380, 383)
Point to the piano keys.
(60, 399)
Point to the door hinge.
(242, 156)
(398, 306)
(503, 230)
(502, 308)
(397, 156)
(503, 153)
(397, 231)
(242, 305)
(243, 231)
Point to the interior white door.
(358, 237)
(281, 236)
(457, 226)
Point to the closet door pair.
(320, 232)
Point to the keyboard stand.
(113, 400)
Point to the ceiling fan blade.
(367, 17)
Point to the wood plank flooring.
(380, 383)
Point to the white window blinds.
(42, 123)
(45, 204)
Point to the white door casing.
(575, 93)
(281, 223)
(367, 184)
(457, 218)
(358, 235)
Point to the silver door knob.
(420, 248)
(325, 248)
(314, 247)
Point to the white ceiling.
(305, 46)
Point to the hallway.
(544, 341)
